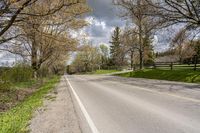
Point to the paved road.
(119, 105)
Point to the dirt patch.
(58, 114)
(12, 97)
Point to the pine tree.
(115, 47)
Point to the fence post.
(195, 62)
(68, 69)
(154, 65)
(171, 65)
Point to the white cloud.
(155, 40)
(93, 21)
(1, 55)
(97, 32)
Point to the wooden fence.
(193, 63)
(176, 65)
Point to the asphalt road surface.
(123, 105)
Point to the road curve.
(119, 105)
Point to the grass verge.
(16, 120)
(25, 84)
(189, 76)
(104, 71)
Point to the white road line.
(87, 117)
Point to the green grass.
(104, 71)
(25, 84)
(189, 76)
(16, 120)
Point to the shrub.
(4, 86)
(19, 73)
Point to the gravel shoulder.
(58, 114)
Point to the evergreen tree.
(115, 47)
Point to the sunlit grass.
(24, 84)
(16, 120)
(181, 75)
(104, 71)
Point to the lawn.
(104, 71)
(181, 75)
(16, 120)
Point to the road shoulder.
(58, 114)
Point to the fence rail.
(175, 65)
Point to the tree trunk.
(34, 63)
(141, 59)
(132, 60)
(140, 35)
(141, 48)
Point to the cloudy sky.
(102, 21)
(104, 18)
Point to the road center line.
(85, 113)
(157, 92)
(169, 94)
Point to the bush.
(4, 86)
(19, 73)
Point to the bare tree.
(13, 13)
(178, 42)
(136, 11)
(129, 40)
(104, 51)
(46, 37)
(177, 11)
(87, 59)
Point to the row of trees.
(184, 52)
(125, 49)
(121, 53)
(39, 30)
(90, 58)
(146, 17)
(134, 43)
